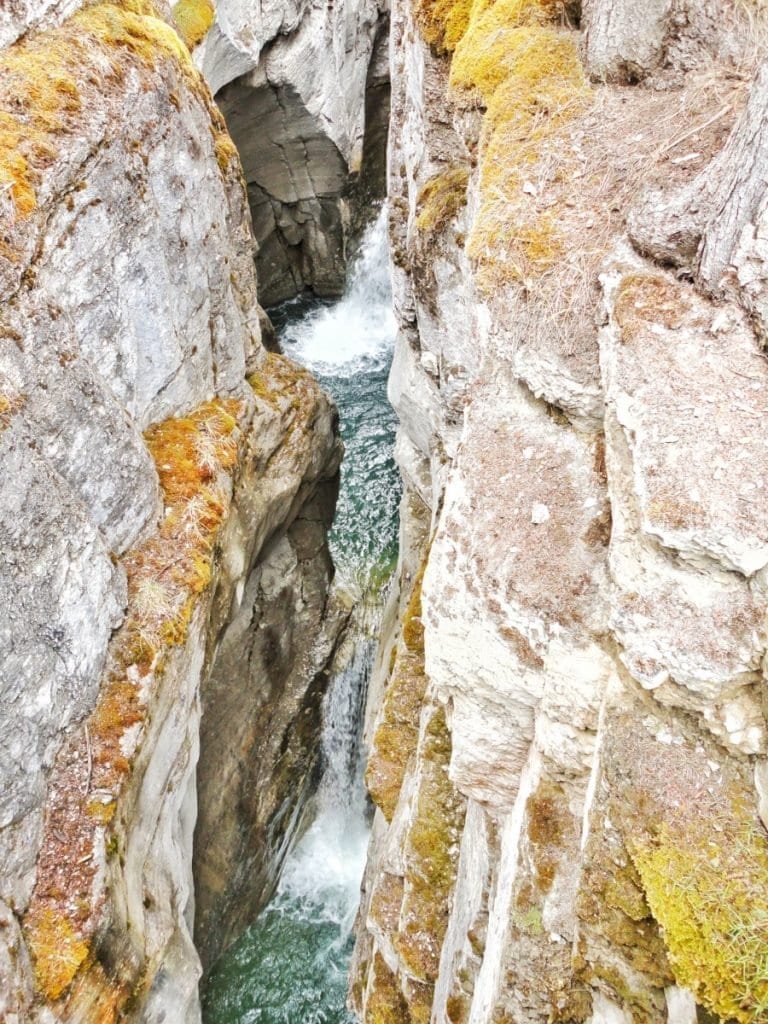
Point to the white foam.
(360, 328)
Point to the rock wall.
(169, 486)
(291, 81)
(567, 729)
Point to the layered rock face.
(169, 485)
(295, 84)
(568, 733)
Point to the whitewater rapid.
(290, 967)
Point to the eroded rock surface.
(292, 81)
(166, 480)
(583, 586)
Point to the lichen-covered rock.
(147, 484)
(585, 429)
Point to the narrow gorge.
(318, 707)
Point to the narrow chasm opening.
(290, 965)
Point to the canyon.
(565, 731)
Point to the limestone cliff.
(300, 86)
(168, 489)
(567, 734)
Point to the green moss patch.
(708, 889)
(684, 845)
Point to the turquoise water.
(290, 967)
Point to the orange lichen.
(58, 951)
(166, 576)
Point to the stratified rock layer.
(294, 83)
(582, 445)
(167, 481)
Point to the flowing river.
(290, 967)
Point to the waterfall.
(357, 332)
(290, 967)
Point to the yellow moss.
(385, 1003)
(431, 854)
(277, 381)
(457, 1008)
(396, 736)
(193, 19)
(58, 951)
(419, 997)
(40, 94)
(101, 812)
(225, 150)
(442, 23)
(709, 892)
(287, 389)
(441, 198)
(529, 78)
(506, 38)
